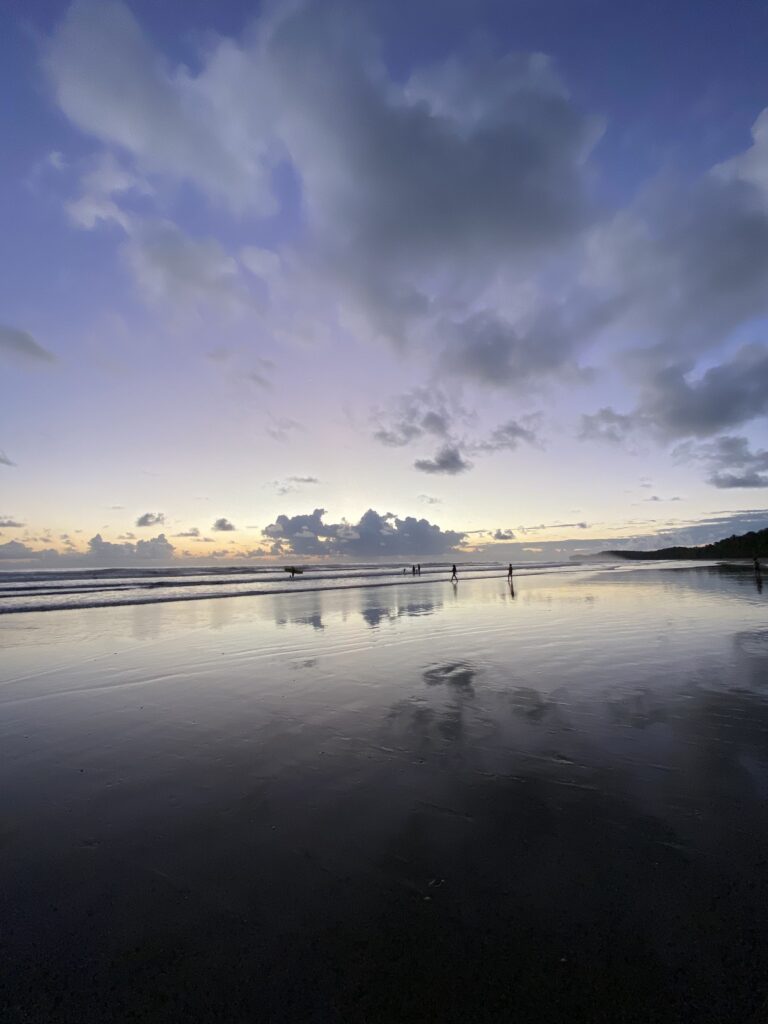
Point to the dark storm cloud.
(373, 536)
(151, 519)
(223, 525)
(447, 460)
(21, 345)
(731, 462)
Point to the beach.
(397, 802)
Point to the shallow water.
(404, 803)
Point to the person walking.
(454, 577)
(510, 571)
(418, 569)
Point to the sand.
(391, 805)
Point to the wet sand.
(403, 804)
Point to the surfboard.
(292, 569)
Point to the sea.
(48, 590)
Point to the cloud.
(421, 195)
(8, 523)
(293, 483)
(14, 550)
(21, 345)
(157, 549)
(606, 425)
(446, 207)
(726, 395)
(731, 462)
(553, 526)
(429, 500)
(447, 460)
(508, 436)
(491, 349)
(111, 83)
(169, 266)
(374, 535)
(4, 460)
(281, 429)
(193, 532)
(223, 525)
(418, 413)
(151, 519)
(504, 535)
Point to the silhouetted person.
(413, 569)
(454, 577)
(404, 570)
(418, 569)
(756, 562)
(509, 572)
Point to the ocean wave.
(36, 591)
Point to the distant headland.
(747, 545)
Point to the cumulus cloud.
(447, 460)
(14, 550)
(375, 535)
(157, 549)
(223, 525)
(8, 523)
(504, 535)
(20, 345)
(151, 519)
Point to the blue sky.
(496, 270)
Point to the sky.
(358, 280)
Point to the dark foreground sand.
(388, 806)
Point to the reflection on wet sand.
(352, 809)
